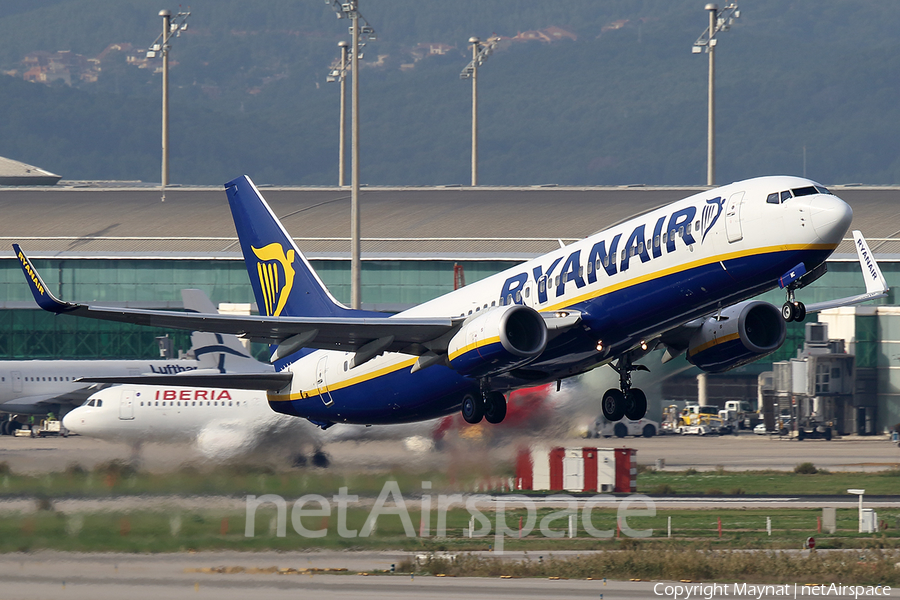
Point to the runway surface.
(743, 452)
(100, 576)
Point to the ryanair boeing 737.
(681, 278)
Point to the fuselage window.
(640, 248)
(557, 281)
(772, 198)
(606, 260)
(785, 196)
(229, 403)
(142, 403)
(157, 404)
(470, 311)
(193, 403)
(215, 403)
(681, 232)
(542, 285)
(493, 303)
(509, 299)
(696, 225)
(656, 242)
(624, 254)
(345, 365)
(477, 308)
(518, 296)
(527, 293)
(590, 268)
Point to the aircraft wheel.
(4, 428)
(320, 459)
(472, 409)
(620, 430)
(800, 434)
(828, 434)
(799, 312)
(788, 311)
(494, 407)
(635, 404)
(613, 405)
(649, 431)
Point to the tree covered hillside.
(624, 102)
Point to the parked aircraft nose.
(830, 217)
(74, 420)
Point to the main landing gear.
(490, 406)
(793, 310)
(627, 401)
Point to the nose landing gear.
(793, 310)
(627, 401)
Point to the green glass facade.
(29, 333)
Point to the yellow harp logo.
(276, 283)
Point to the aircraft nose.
(73, 421)
(830, 217)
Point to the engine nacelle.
(498, 340)
(743, 333)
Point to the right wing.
(876, 286)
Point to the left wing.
(403, 334)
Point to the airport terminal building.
(120, 244)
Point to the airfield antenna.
(366, 32)
(719, 20)
(171, 25)
(480, 52)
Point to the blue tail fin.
(283, 281)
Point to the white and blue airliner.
(681, 278)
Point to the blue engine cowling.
(741, 334)
(498, 340)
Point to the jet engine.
(497, 340)
(740, 334)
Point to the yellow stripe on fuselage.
(678, 268)
(410, 361)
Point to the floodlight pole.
(474, 41)
(355, 262)
(343, 46)
(719, 20)
(711, 122)
(480, 53)
(166, 17)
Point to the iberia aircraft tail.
(284, 283)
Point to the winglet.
(871, 271)
(39, 289)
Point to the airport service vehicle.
(681, 277)
(639, 428)
(41, 387)
(760, 429)
(747, 417)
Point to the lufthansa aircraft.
(680, 277)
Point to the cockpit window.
(823, 190)
(805, 191)
(772, 198)
(785, 196)
(90, 402)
